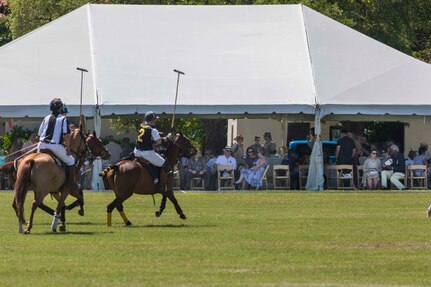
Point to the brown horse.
(128, 177)
(40, 171)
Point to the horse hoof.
(182, 216)
(81, 212)
(62, 228)
(128, 223)
(26, 231)
(54, 230)
(158, 213)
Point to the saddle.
(57, 161)
(154, 171)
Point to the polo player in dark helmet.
(52, 131)
(148, 135)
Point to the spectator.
(249, 160)
(114, 149)
(15, 150)
(196, 167)
(346, 149)
(256, 146)
(427, 154)
(30, 144)
(226, 159)
(291, 159)
(126, 147)
(182, 169)
(238, 148)
(420, 160)
(211, 174)
(396, 165)
(269, 146)
(410, 158)
(372, 168)
(253, 175)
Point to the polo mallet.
(176, 96)
(80, 102)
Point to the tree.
(4, 30)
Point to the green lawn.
(234, 239)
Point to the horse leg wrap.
(125, 219)
(55, 220)
(109, 219)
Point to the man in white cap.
(226, 159)
(395, 168)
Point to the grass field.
(235, 239)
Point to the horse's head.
(184, 144)
(79, 143)
(96, 147)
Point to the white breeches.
(60, 151)
(150, 155)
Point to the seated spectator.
(292, 160)
(249, 160)
(211, 174)
(394, 168)
(196, 167)
(253, 175)
(420, 160)
(410, 158)
(226, 159)
(182, 169)
(372, 168)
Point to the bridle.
(87, 154)
(188, 150)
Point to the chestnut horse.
(128, 177)
(40, 171)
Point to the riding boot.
(71, 175)
(167, 167)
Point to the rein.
(81, 157)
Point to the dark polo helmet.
(150, 115)
(56, 104)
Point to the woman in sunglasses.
(372, 169)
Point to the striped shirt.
(53, 128)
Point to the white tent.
(238, 60)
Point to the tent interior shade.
(237, 59)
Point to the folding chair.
(417, 176)
(345, 175)
(331, 172)
(197, 183)
(281, 181)
(225, 177)
(360, 173)
(303, 174)
(264, 177)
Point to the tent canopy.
(238, 60)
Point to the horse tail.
(22, 184)
(105, 172)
